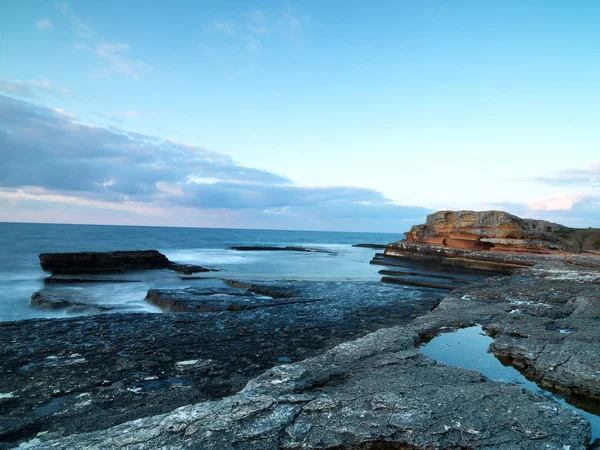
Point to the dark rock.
(215, 300)
(89, 262)
(261, 290)
(119, 261)
(288, 248)
(50, 301)
(414, 282)
(188, 269)
(63, 300)
(374, 246)
(111, 368)
(375, 390)
(61, 279)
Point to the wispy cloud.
(132, 114)
(257, 22)
(21, 89)
(588, 176)
(222, 26)
(43, 24)
(114, 61)
(254, 27)
(49, 151)
(112, 58)
(15, 88)
(82, 29)
(42, 83)
(107, 116)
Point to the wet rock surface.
(117, 261)
(221, 299)
(287, 248)
(376, 390)
(544, 321)
(90, 373)
(373, 246)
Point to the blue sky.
(302, 115)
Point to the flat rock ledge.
(376, 390)
(118, 261)
(380, 391)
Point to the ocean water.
(21, 275)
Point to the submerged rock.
(118, 261)
(261, 290)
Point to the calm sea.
(21, 274)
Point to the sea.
(21, 274)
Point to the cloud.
(82, 29)
(42, 83)
(15, 88)
(113, 60)
(25, 89)
(48, 155)
(588, 176)
(111, 57)
(257, 22)
(223, 26)
(43, 25)
(255, 27)
(132, 114)
(560, 202)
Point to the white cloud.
(132, 114)
(113, 60)
(560, 202)
(43, 25)
(63, 113)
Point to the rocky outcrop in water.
(288, 248)
(118, 261)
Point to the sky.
(350, 116)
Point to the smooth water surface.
(468, 348)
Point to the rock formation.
(118, 261)
(488, 230)
(380, 391)
(489, 240)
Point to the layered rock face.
(488, 230)
(490, 240)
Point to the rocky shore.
(276, 365)
(376, 390)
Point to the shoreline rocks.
(107, 262)
(491, 240)
(378, 389)
(287, 248)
